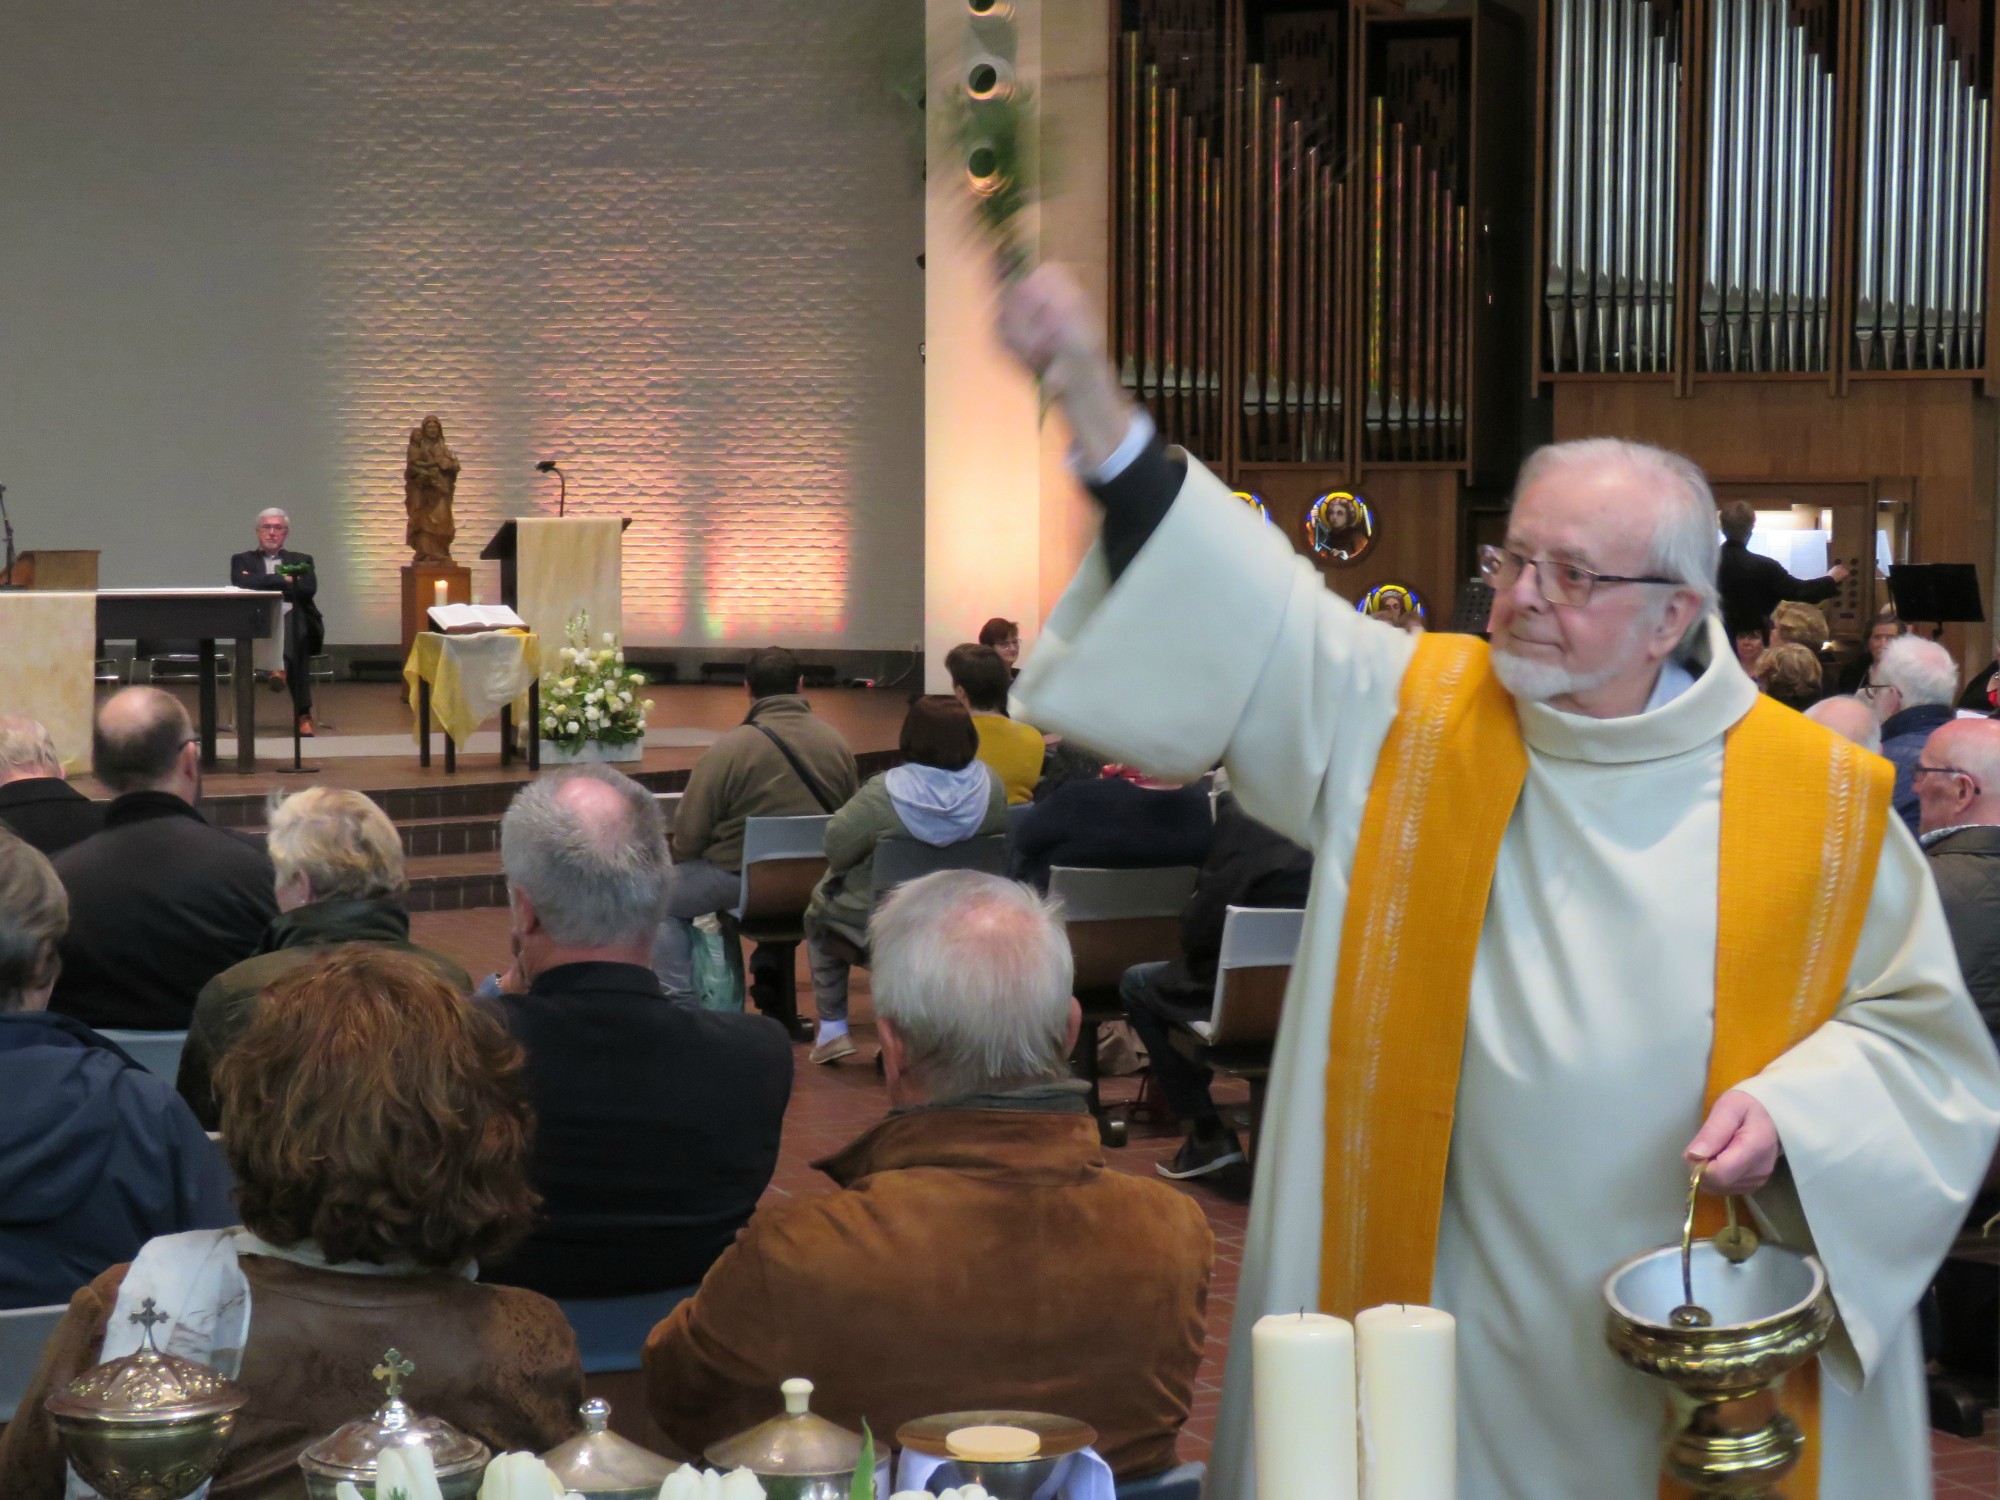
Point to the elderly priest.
(1586, 909)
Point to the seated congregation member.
(37, 803)
(1751, 638)
(160, 900)
(1957, 779)
(96, 1154)
(1886, 627)
(1801, 624)
(656, 1123)
(1981, 695)
(1247, 865)
(942, 794)
(1004, 636)
(980, 1252)
(782, 761)
(979, 680)
(379, 1134)
(1117, 820)
(288, 655)
(1916, 683)
(1851, 719)
(1790, 674)
(340, 879)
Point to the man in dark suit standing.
(1752, 585)
(36, 804)
(160, 900)
(270, 567)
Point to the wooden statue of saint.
(430, 479)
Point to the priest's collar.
(1672, 723)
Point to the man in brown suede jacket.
(980, 1253)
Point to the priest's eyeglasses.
(1561, 582)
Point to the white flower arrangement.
(593, 699)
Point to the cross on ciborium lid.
(148, 1317)
(391, 1374)
(353, 1452)
(149, 1381)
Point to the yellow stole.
(1803, 815)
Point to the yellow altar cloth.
(472, 677)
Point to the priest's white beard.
(1535, 681)
(1539, 681)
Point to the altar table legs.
(246, 706)
(506, 731)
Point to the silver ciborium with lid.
(600, 1465)
(147, 1426)
(795, 1456)
(354, 1451)
(1722, 1322)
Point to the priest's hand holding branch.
(1048, 323)
(1739, 1141)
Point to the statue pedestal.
(420, 582)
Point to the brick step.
(456, 882)
(417, 804)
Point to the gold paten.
(149, 1426)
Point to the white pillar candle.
(442, 590)
(1302, 1382)
(1409, 1403)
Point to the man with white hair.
(657, 1123)
(980, 1254)
(1914, 689)
(1587, 910)
(1851, 719)
(36, 802)
(270, 567)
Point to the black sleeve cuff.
(1136, 501)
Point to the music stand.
(1943, 593)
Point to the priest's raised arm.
(1219, 642)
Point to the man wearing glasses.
(1587, 910)
(160, 899)
(1957, 780)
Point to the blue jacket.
(1903, 736)
(96, 1157)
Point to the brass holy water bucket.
(1769, 1311)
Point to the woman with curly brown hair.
(379, 1130)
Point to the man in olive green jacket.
(782, 761)
(340, 879)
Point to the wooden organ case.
(1764, 238)
(1312, 212)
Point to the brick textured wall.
(670, 243)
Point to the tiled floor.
(830, 1106)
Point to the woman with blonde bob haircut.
(339, 864)
(379, 1131)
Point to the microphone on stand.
(548, 466)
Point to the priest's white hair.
(1684, 545)
(974, 974)
(272, 513)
